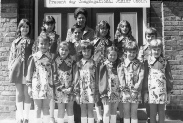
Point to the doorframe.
(36, 21)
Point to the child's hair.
(43, 36)
(151, 31)
(22, 23)
(111, 48)
(156, 43)
(75, 26)
(118, 31)
(131, 45)
(48, 20)
(100, 25)
(64, 43)
(87, 45)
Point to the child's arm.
(76, 87)
(96, 82)
(138, 85)
(145, 80)
(169, 78)
(12, 51)
(121, 76)
(30, 71)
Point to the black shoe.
(26, 121)
(99, 121)
(148, 120)
(20, 121)
(121, 120)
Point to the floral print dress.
(157, 80)
(40, 75)
(131, 74)
(20, 51)
(113, 82)
(63, 81)
(86, 84)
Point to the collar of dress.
(98, 39)
(68, 61)
(40, 55)
(128, 62)
(152, 60)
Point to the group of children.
(100, 72)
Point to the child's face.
(43, 45)
(149, 37)
(103, 31)
(156, 52)
(131, 54)
(112, 56)
(86, 53)
(124, 28)
(81, 20)
(49, 27)
(24, 30)
(64, 51)
(77, 34)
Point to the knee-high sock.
(90, 120)
(83, 119)
(98, 112)
(106, 119)
(26, 110)
(19, 111)
(113, 119)
(60, 120)
(46, 118)
(38, 120)
(126, 120)
(71, 119)
(134, 121)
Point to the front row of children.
(113, 81)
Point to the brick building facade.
(165, 16)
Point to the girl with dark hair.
(20, 51)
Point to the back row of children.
(88, 72)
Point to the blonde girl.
(20, 51)
(63, 82)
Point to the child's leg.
(52, 107)
(83, 113)
(126, 107)
(61, 112)
(147, 106)
(134, 107)
(90, 113)
(38, 108)
(19, 101)
(69, 107)
(46, 112)
(77, 112)
(120, 106)
(98, 110)
(27, 102)
(113, 109)
(153, 113)
(161, 113)
(106, 113)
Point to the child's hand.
(96, 98)
(30, 91)
(146, 96)
(78, 99)
(105, 100)
(134, 95)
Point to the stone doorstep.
(141, 116)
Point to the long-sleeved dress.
(39, 76)
(63, 79)
(85, 81)
(20, 51)
(158, 80)
(131, 75)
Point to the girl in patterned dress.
(39, 78)
(20, 51)
(131, 75)
(100, 43)
(109, 84)
(63, 81)
(158, 81)
(86, 88)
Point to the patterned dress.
(40, 75)
(158, 80)
(113, 82)
(63, 74)
(100, 46)
(20, 51)
(131, 74)
(86, 84)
